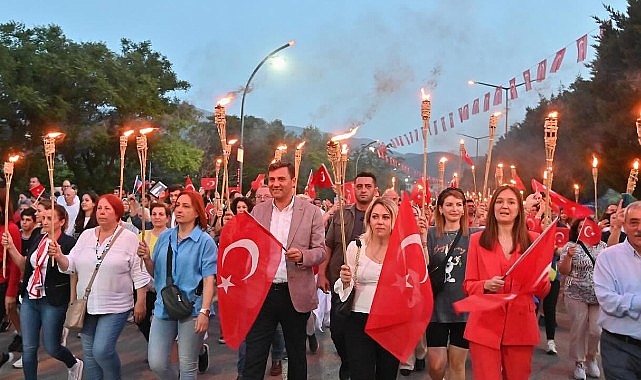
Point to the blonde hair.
(385, 202)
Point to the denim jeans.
(99, 337)
(35, 315)
(162, 336)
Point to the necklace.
(100, 256)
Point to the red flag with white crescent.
(590, 232)
(189, 185)
(249, 256)
(541, 70)
(403, 302)
(582, 48)
(322, 178)
(561, 237)
(208, 183)
(558, 59)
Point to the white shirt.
(279, 227)
(72, 212)
(367, 275)
(111, 291)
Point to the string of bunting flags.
(413, 136)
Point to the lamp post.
(360, 152)
(241, 147)
(507, 95)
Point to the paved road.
(321, 366)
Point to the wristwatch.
(205, 312)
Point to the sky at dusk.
(353, 62)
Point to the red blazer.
(13, 271)
(513, 324)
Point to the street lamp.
(241, 147)
(507, 95)
(360, 152)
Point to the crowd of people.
(121, 254)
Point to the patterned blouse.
(579, 284)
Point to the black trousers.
(367, 359)
(549, 309)
(337, 328)
(277, 308)
(145, 325)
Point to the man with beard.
(329, 270)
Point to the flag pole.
(530, 248)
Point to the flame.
(232, 141)
(344, 149)
(513, 182)
(219, 161)
(224, 101)
(553, 115)
(300, 146)
(346, 135)
(443, 159)
(14, 158)
(576, 186)
(545, 174)
(128, 132)
(282, 147)
(636, 165)
(424, 96)
(497, 114)
(461, 141)
(595, 162)
(473, 167)
(53, 135)
(512, 167)
(500, 165)
(144, 131)
(455, 175)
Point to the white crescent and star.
(589, 232)
(415, 239)
(559, 236)
(252, 249)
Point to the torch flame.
(344, 149)
(500, 165)
(424, 96)
(443, 159)
(53, 135)
(224, 101)
(232, 141)
(144, 131)
(300, 146)
(636, 165)
(473, 167)
(497, 114)
(576, 186)
(461, 141)
(345, 135)
(595, 162)
(282, 147)
(553, 115)
(128, 132)
(512, 167)
(219, 161)
(14, 158)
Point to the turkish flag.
(210, 209)
(513, 93)
(189, 185)
(535, 262)
(349, 191)
(475, 106)
(541, 70)
(590, 232)
(322, 178)
(416, 194)
(37, 190)
(498, 96)
(260, 179)
(562, 236)
(443, 125)
(403, 303)
(248, 259)
(572, 209)
(582, 48)
(208, 183)
(527, 78)
(533, 224)
(558, 59)
(517, 180)
(466, 157)
(486, 102)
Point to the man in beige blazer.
(298, 225)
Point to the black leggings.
(549, 309)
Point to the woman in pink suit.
(502, 339)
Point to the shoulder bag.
(175, 301)
(437, 272)
(75, 317)
(344, 308)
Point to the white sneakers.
(17, 364)
(579, 372)
(592, 369)
(551, 350)
(75, 372)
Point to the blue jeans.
(162, 337)
(99, 336)
(36, 315)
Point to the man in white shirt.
(72, 205)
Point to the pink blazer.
(513, 324)
(306, 233)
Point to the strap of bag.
(454, 243)
(170, 256)
(587, 252)
(99, 262)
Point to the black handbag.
(175, 301)
(437, 272)
(344, 308)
